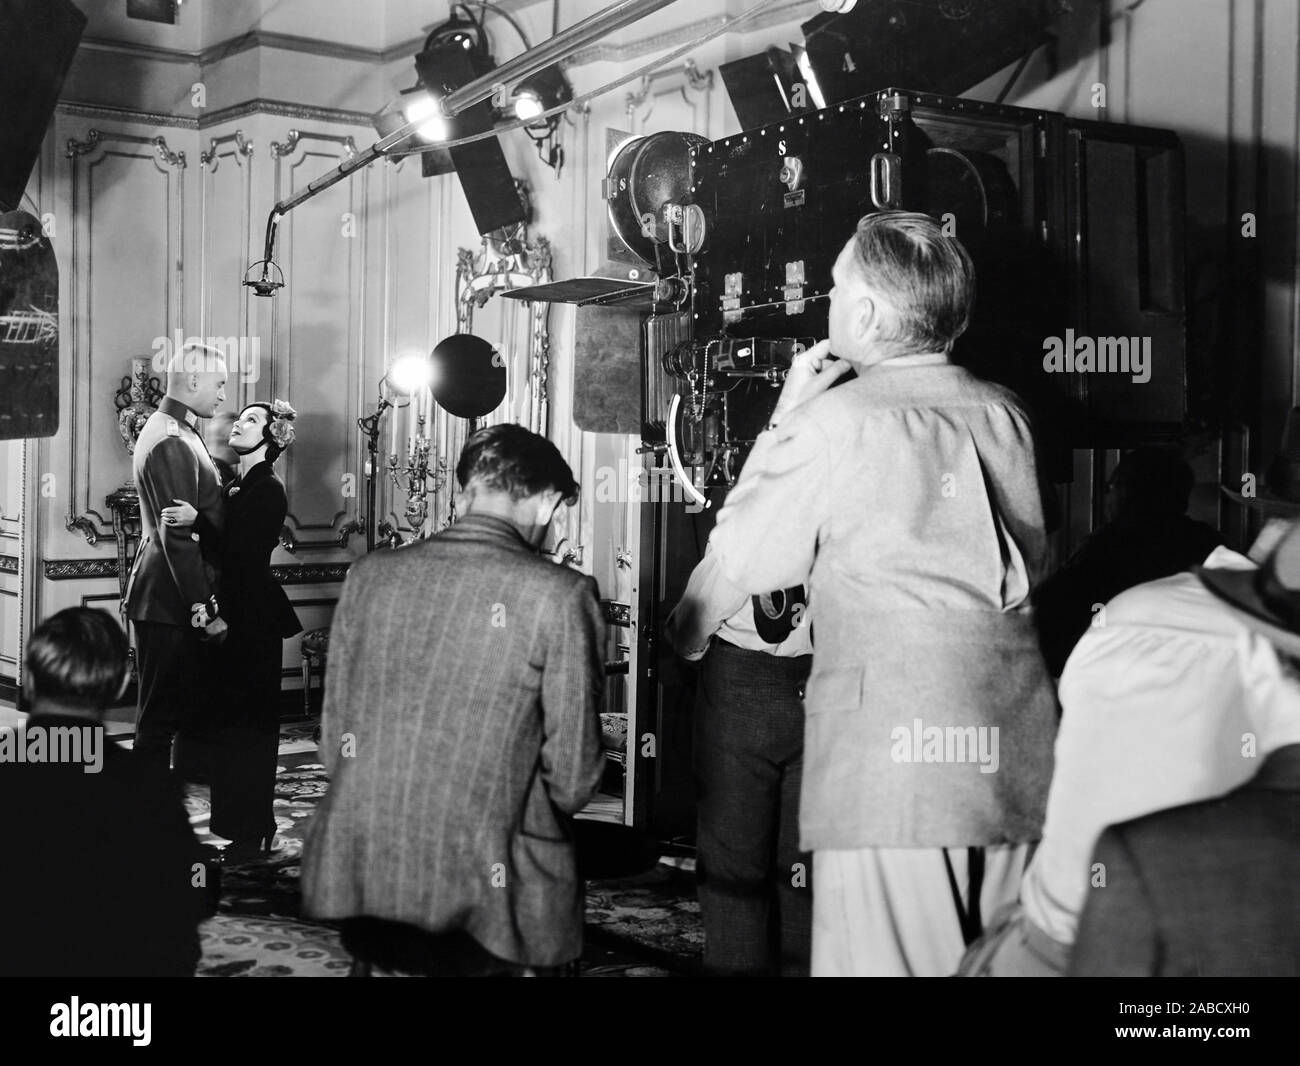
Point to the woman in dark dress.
(243, 743)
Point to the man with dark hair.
(102, 872)
(908, 502)
(1148, 536)
(510, 459)
(461, 727)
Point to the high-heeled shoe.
(250, 850)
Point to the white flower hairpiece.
(281, 425)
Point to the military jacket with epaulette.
(174, 579)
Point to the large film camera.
(718, 271)
(1075, 229)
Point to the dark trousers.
(755, 885)
(174, 680)
(242, 738)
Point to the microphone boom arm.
(562, 46)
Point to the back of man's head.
(77, 659)
(512, 460)
(923, 274)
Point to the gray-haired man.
(908, 502)
(171, 596)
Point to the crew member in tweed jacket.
(908, 502)
(461, 726)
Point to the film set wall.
(626, 261)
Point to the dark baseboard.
(9, 689)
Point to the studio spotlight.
(410, 373)
(544, 90)
(423, 106)
(534, 96)
(528, 106)
(393, 117)
(454, 55)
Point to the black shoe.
(249, 850)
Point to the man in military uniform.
(172, 593)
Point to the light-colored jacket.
(909, 502)
(461, 729)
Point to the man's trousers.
(174, 679)
(907, 912)
(754, 883)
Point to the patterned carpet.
(643, 926)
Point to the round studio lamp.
(424, 108)
(469, 377)
(528, 105)
(410, 373)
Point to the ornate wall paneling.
(124, 249)
(226, 223)
(416, 309)
(318, 322)
(518, 331)
(673, 98)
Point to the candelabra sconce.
(423, 473)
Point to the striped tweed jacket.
(461, 729)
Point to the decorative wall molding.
(672, 98)
(103, 569)
(242, 145)
(327, 288)
(84, 157)
(290, 542)
(123, 114)
(287, 42)
(288, 109)
(80, 569)
(280, 149)
(244, 42)
(696, 79)
(76, 147)
(605, 52)
(8, 564)
(310, 573)
(258, 106)
(217, 237)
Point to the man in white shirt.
(1169, 698)
(754, 883)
